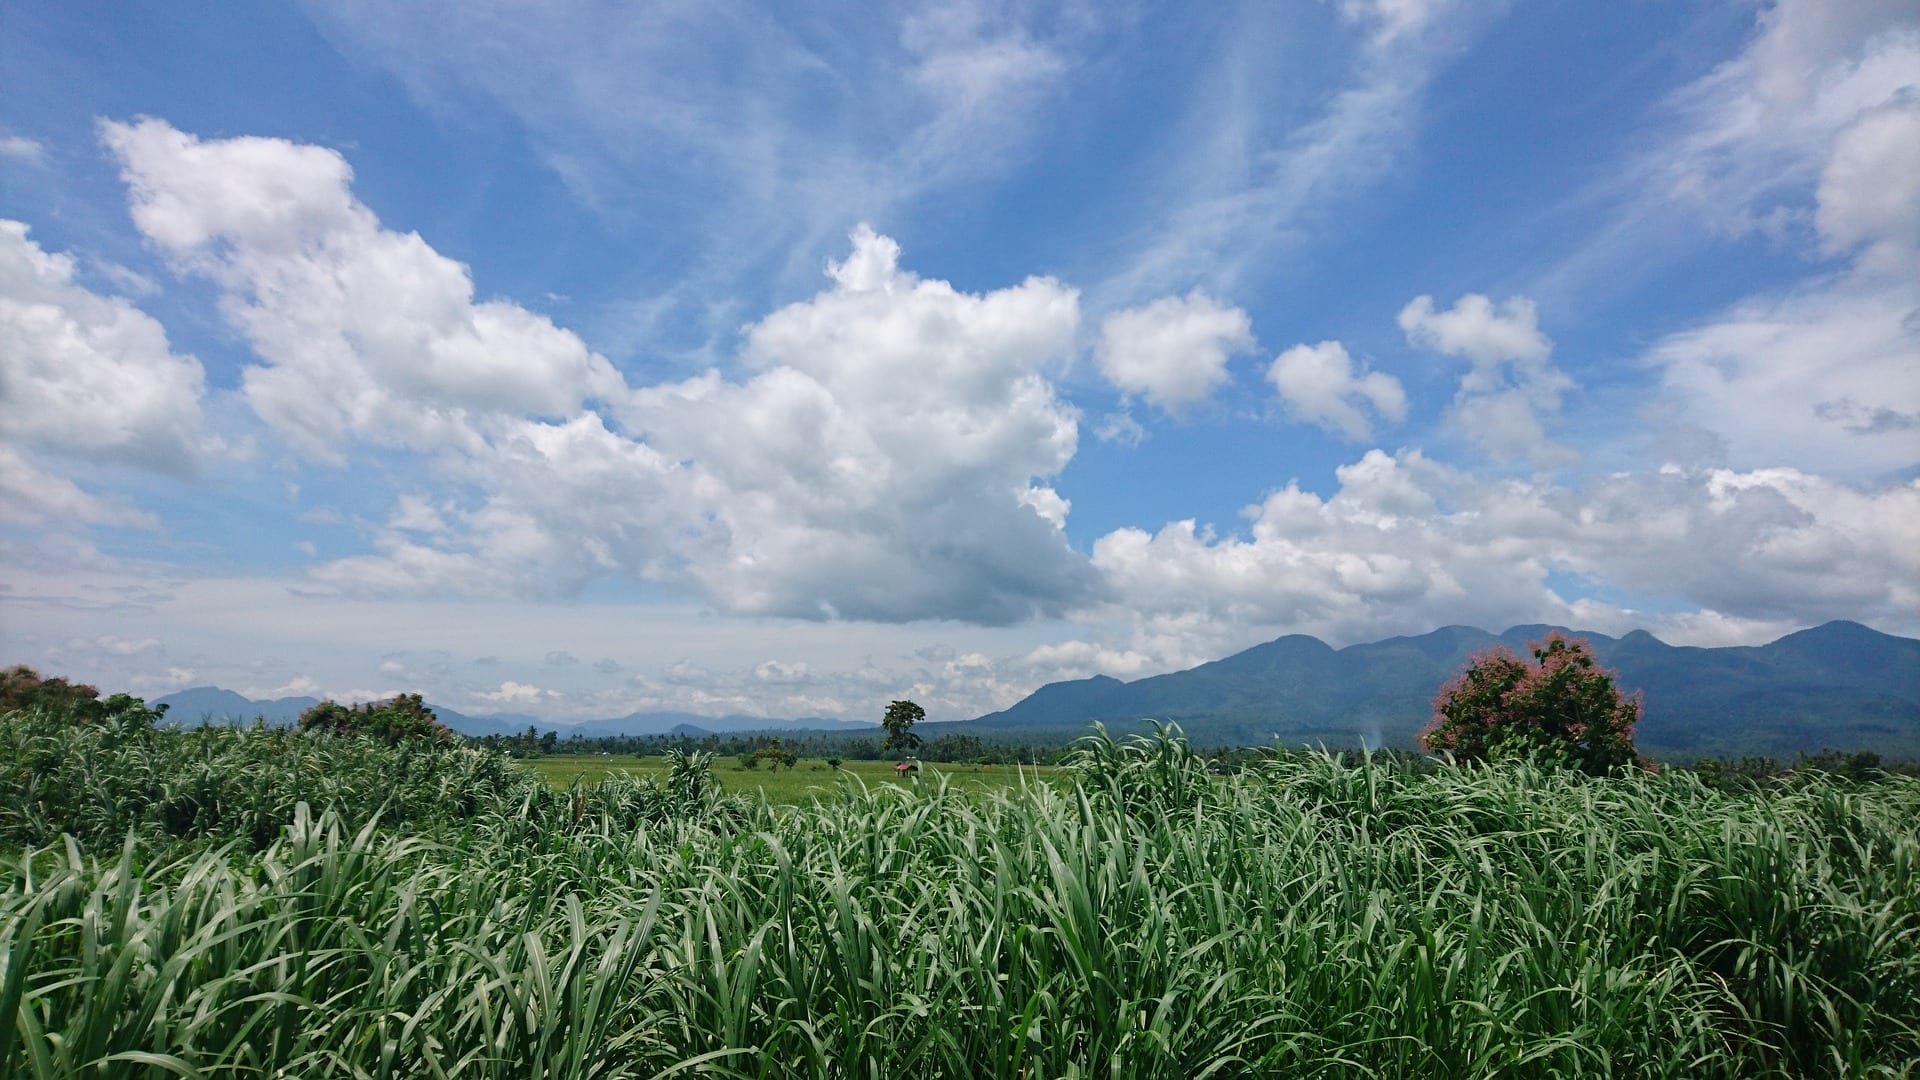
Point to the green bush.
(399, 719)
(21, 687)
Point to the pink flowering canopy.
(1563, 708)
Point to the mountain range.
(1841, 685)
(211, 704)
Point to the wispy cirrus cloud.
(1811, 130)
(755, 136)
(1737, 151)
(21, 149)
(1253, 169)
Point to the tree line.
(945, 749)
(1560, 709)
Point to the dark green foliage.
(1749, 773)
(899, 721)
(955, 748)
(776, 756)
(102, 783)
(767, 751)
(400, 719)
(1736, 774)
(1861, 767)
(21, 687)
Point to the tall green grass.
(1318, 917)
(102, 782)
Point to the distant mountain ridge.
(1841, 685)
(213, 704)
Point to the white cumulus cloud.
(88, 375)
(514, 694)
(367, 333)
(883, 456)
(1512, 383)
(298, 686)
(1758, 129)
(22, 149)
(1319, 385)
(881, 462)
(1079, 659)
(1173, 351)
(1823, 378)
(1478, 330)
(1406, 541)
(119, 646)
(1121, 429)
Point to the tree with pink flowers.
(1563, 709)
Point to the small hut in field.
(906, 767)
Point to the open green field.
(809, 779)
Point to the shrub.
(776, 756)
(21, 687)
(403, 718)
(1562, 709)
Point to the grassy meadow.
(418, 911)
(809, 778)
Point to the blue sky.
(578, 358)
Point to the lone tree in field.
(775, 755)
(899, 721)
(1562, 708)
